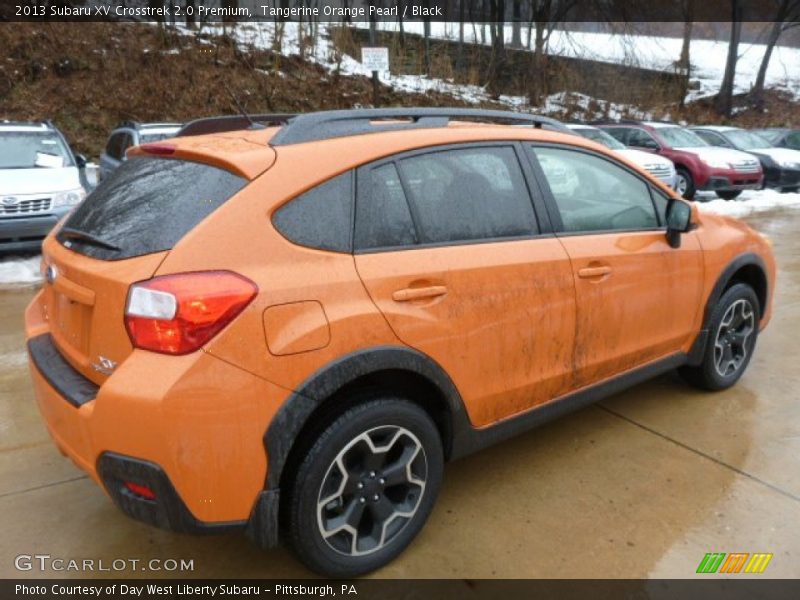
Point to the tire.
(411, 445)
(729, 349)
(790, 190)
(729, 195)
(684, 183)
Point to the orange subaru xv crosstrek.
(288, 324)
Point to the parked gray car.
(40, 181)
(129, 134)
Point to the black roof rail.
(232, 123)
(325, 125)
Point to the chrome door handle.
(409, 294)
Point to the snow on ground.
(749, 202)
(20, 271)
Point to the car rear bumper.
(721, 183)
(25, 233)
(189, 430)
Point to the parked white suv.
(40, 181)
(658, 166)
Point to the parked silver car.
(129, 134)
(40, 181)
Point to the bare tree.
(190, 16)
(724, 100)
(684, 62)
(516, 24)
(545, 16)
(787, 17)
(497, 9)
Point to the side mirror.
(80, 161)
(679, 220)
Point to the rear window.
(146, 206)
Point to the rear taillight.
(177, 314)
(160, 149)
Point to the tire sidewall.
(309, 545)
(738, 291)
(690, 189)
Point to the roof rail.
(232, 123)
(327, 125)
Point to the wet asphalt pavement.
(640, 485)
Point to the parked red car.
(699, 165)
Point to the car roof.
(580, 126)
(249, 152)
(26, 126)
(148, 126)
(659, 124)
(720, 128)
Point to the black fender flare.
(295, 412)
(743, 260)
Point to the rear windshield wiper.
(77, 234)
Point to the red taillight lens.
(177, 314)
(160, 149)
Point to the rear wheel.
(790, 190)
(365, 488)
(729, 195)
(733, 330)
(684, 184)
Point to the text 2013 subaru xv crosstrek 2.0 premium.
(288, 329)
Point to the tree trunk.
(724, 101)
(460, 53)
(538, 81)
(516, 25)
(684, 62)
(190, 16)
(758, 89)
(373, 41)
(400, 8)
(427, 42)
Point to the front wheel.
(729, 195)
(684, 183)
(365, 488)
(733, 330)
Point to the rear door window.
(147, 205)
(383, 218)
(468, 194)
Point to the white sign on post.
(375, 59)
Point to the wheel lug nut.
(372, 474)
(360, 485)
(382, 481)
(362, 500)
(376, 497)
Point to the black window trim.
(539, 209)
(552, 206)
